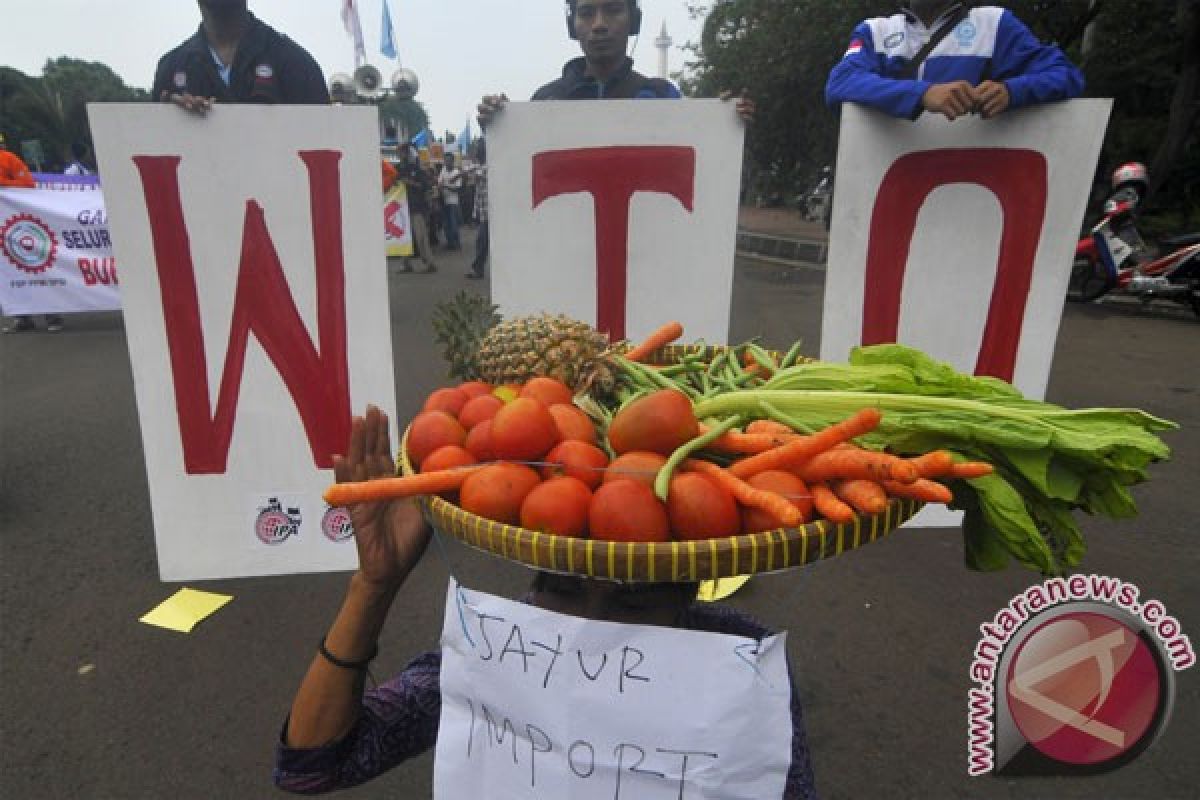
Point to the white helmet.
(1133, 172)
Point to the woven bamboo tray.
(676, 562)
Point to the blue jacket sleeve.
(1034, 72)
(859, 78)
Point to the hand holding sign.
(951, 100)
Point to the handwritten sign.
(620, 213)
(254, 289)
(537, 704)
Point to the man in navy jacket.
(986, 62)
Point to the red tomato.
(700, 508)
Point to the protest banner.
(619, 213)
(397, 227)
(257, 317)
(56, 250)
(957, 237)
(539, 704)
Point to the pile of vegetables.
(736, 440)
(1048, 461)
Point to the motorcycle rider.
(1130, 182)
(1129, 185)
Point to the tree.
(1185, 103)
(781, 52)
(53, 108)
(408, 115)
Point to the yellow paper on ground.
(184, 609)
(712, 591)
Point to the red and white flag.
(354, 28)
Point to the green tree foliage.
(52, 108)
(781, 50)
(1139, 52)
(407, 115)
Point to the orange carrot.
(753, 367)
(746, 443)
(769, 426)
(865, 496)
(934, 464)
(783, 509)
(971, 469)
(925, 490)
(857, 464)
(379, 489)
(828, 505)
(660, 338)
(803, 448)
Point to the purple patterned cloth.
(399, 720)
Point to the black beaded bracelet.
(357, 666)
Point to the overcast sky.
(460, 49)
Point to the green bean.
(662, 481)
(763, 358)
(779, 416)
(793, 353)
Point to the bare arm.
(390, 537)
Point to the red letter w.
(263, 305)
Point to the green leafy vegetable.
(1049, 461)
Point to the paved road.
(95, 705)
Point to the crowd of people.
(444, 195)
(338, 733)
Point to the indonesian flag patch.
(856, 46)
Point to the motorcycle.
(1114, 259)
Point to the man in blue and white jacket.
(988, 63)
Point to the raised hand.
(390, 536)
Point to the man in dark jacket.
(236, 58)
(604, 71)
(603, 28)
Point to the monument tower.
(663, 42)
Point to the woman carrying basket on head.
(339, 735)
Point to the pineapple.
(459, 326)
(478, 344)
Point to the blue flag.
(387, 43)
(421, 139)
(464, 140)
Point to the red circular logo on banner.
(28, 243)
(1085, 689)
(336, 524)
